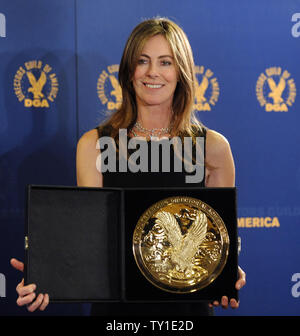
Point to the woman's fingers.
(241, 282)
(40, 303)
(234, 304)
(25, 300)
(214, 304)
(224, 302)
(20, 285)
(36, 304)
(30, 299)
(25, 290)
(27, 295)
(45, 302)
(17, 264)
(242, 279)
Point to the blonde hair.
(183, 114)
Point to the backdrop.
(57, 64)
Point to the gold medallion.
(180, 244)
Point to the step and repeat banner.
(59, 65)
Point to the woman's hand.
(27, 295)
(241, 282)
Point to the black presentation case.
(78, 243)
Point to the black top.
(150, 179)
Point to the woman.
(157, 79)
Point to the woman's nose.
(152, 70)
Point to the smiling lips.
(153, 86)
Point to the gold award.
(180, 244)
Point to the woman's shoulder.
(88, 137)
(87, 143)
(94, 134)
(215, 138)
(217, 147)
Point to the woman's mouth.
(153, 86)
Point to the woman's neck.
(154, 117)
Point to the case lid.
(73, 241)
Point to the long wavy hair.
(183, 117)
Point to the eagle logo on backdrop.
(35, 84)
(108, 88)
(276, 90)
(207, 89)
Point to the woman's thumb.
(17, 264)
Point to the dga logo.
(276, 90)
(2, 25)
(35, 84)
(108, 88)
(207, 89)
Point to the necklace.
(152, 131)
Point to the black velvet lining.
(74, 239)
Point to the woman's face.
(155, 76)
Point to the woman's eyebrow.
(162, 56)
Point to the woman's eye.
(142, 61)
(166, 62)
